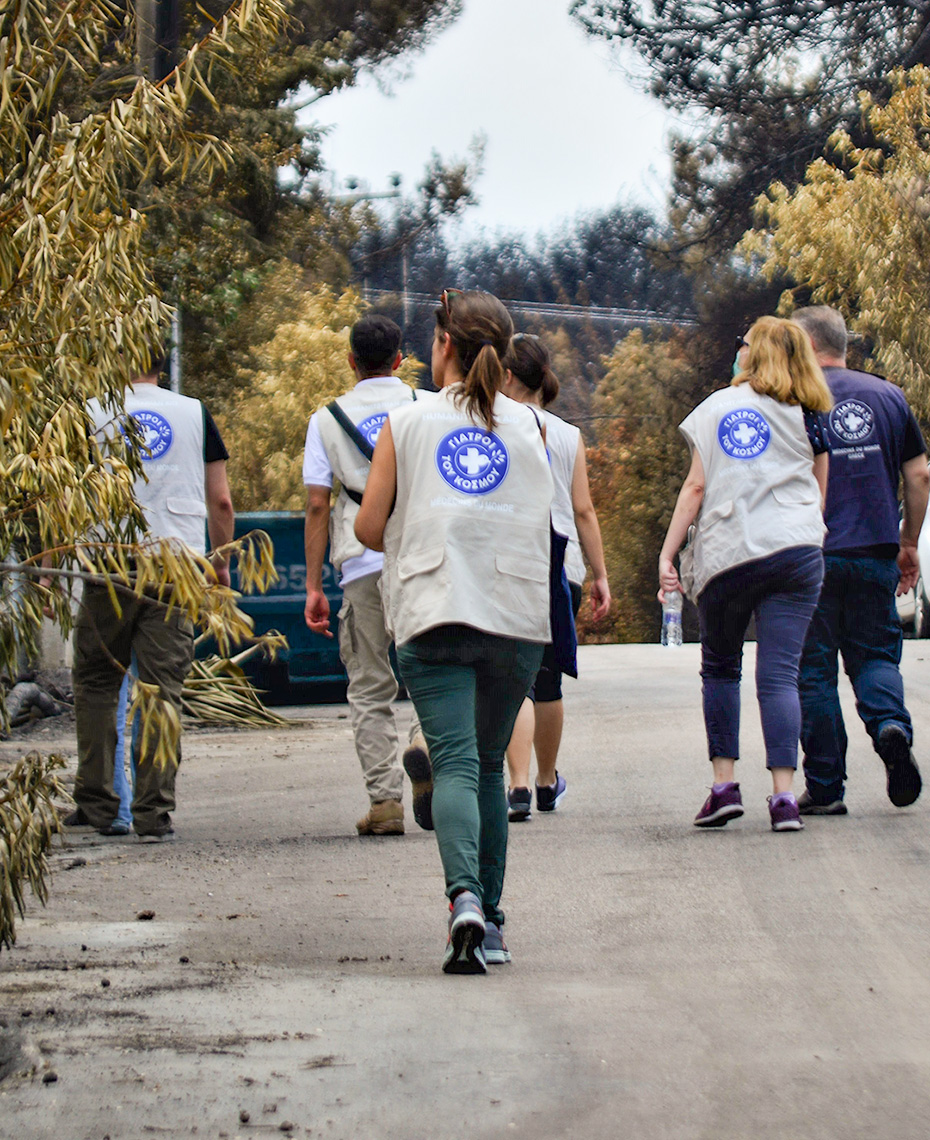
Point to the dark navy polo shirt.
(872, 432)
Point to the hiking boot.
(383, 818)
(783, 809)
(904, 782)
(519, 804)
(420, 773)
(723, 804)
(807, 806)
(465, 949)
(549, 796)
(495, 948)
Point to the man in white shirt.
(338, 447)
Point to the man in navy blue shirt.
(869, 556)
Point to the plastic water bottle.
(671, 618)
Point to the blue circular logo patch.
(744, 434)
(472, 460)
(371, 428)
(157, 435)
(852, 420)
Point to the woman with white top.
(530, 380)
(458, 498)
(759, 461)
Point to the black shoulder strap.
(351, 430)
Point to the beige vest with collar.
(367, 407)
(760, 494)
(468, 540)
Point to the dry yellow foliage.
(859, 237)
(80, 313)
(299, 369)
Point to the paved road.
(667, 982)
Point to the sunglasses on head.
(446, 299)
(741, 342)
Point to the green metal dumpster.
(309, 670)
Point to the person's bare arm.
(916, 487)
(221, 517)
(589, 534)
(316, 535)
(380, 490)
(822, 475)
(689, 502)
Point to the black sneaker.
(519, 804)
(904, 782)
(166, 835)
(420, 772)
(117, 827)
(76, 818)
(549, 796)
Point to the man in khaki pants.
(339, 442)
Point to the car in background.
(914, 605)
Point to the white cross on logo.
(473, 461)
(744, 434)
(852, 421)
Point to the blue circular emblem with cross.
(744, 434)
(371, 428)
(157, 435)
(472, 460)
(852, 420)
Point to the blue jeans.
(467, 687)
(781, 592)
(857, 617)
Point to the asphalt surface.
(666, 982)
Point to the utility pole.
(157, 36)
(157, 31)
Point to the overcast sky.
(565, 129)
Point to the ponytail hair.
(529, 361)
(480, 329)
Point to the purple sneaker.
(723, 804)
(784, 811)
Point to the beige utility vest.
(172, 491)
(468, 540)
(760, 494)
(562, 445)
(367, 407)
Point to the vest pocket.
(722, 512)
(420, 562)
(519, 566)
(187, 507)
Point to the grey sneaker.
(465, 948)
(495, 948)
(904, 782)
(807, 806)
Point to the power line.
(556, 311)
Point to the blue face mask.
(736, 368)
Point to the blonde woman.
(758, 477)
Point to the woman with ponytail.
(458, 498)
(530, 380)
